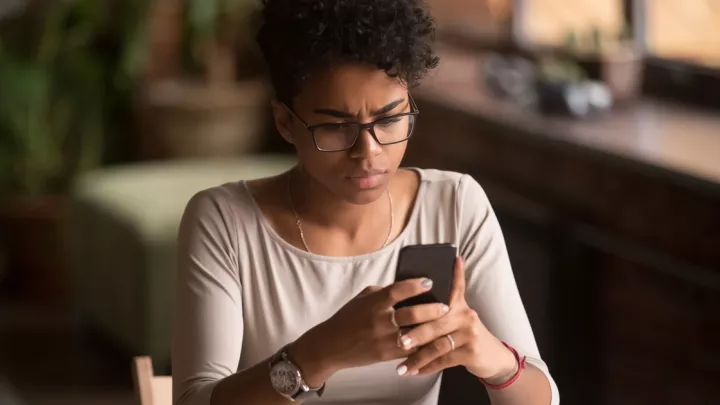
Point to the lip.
(367, 173)
(368, 179)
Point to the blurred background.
(594, 127)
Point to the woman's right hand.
(362, 332)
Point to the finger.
(458, 292)
(424, 356)
(418, 314)
(441, 363)
(391, 351)
(369, 290)
(430, 353)
(429, 331)
(402, 290)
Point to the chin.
(363, 196)
(367, 197)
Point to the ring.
(452, 342)
(393, 321)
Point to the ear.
(283, 120)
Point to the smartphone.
(434, 261)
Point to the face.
(348, 94)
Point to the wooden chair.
(149, 388)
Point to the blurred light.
(9, 8)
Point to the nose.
(365, 146)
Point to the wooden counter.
(613, 227)
(663, 139)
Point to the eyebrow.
(344, 114)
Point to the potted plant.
(612, 58)
(217, 107)
(51, 128)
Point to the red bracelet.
(521, 366)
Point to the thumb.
(458, 290)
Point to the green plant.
(52, 100)
(133, 31)
(218, 32)
(560, 70)
(596, 40)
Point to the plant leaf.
(203, 16)
(25, 87)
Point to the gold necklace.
(298, 223)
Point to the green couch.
(121, 234)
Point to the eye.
(339, 127)
(386, 122)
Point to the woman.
(286, 283)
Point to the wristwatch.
(287, 378)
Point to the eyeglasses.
(336, 137)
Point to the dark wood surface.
(613, 227)
(680, 143)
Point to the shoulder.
(222, 204)
(212, 220)
(448, 186)
(458, 199)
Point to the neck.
(316, 204)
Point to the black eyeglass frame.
(370, 126)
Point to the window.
(551, 22)
(684, 30)
(679, 39)
(474, 18)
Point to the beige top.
(244, 292)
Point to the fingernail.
(402, 370)
(405, 342)
(445, 308)
(414, 372)
(427, 283)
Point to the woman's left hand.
(469, 344)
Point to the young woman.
(286, 288)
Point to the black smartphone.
(434, 261)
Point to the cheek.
(308, 155)
(319, 164)
(396, 153)
(304, 146)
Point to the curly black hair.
(299, 37)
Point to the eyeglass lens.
(342, 136)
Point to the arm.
(208, 326)
(492, 292)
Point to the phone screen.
(436, 262)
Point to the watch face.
(285, 378)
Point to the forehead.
(351, 87)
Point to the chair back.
(149, 388)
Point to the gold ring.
(452, 342)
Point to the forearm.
(252, 386)
(532, 388)
(248, 387)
